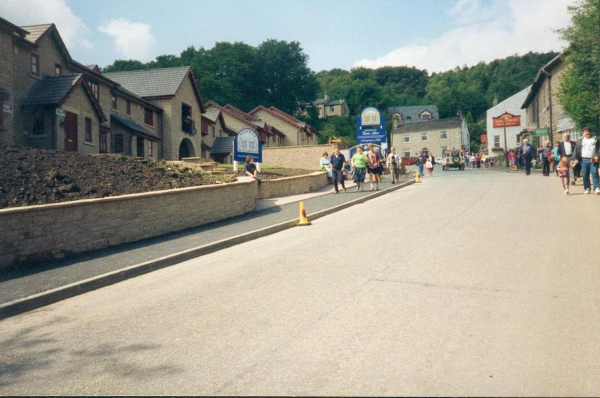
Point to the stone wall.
(292, 185)
(297, 157)
(52, 231)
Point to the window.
(128, 108)
(35, 64)
(220, 133)
(118, 143)
(150, 153)
(103, 141)
(409, 117)
(331, 108)
(140, 147)
(496, 141)
(148, 117)
(406, 153)
(443, 135)
(186, 118)
(113, 98)
(58, 70)
(88, 129)
(425, 116)
(94, 87)
(423, 136)
(213, 131)
(406, 139)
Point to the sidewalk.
(18, 284)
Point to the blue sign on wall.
(247, 143)
(370, 116)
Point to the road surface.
(476, 283)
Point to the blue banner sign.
(375, 136)
(370, 116)
(247, 143)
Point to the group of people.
(581, 156)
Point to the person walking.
(429, 167)
(511, 159)
(338, 162)
(566, 148)
(545, 152)
(373, 166)
(419, 163)
(556, 157)
(393, 162)
(527, 153)
(587, 152)
(563, 173)
(325, 164)
(473, 160)
(359, 162)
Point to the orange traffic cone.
(417, 178)
(302, 220)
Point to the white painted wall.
(511, 105)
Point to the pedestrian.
(563, 173)
(473, 160)
(393, 163)
(556, 157)
(359, 162)
(250, 169)
(419, 163)
(478, 160)
(566, 148)
(432, 159)
(326, 166)
(338, 163)
(545, 152)
(527, 153)
(373, 166)
(429, 167)
(587, 151)
(511, 159)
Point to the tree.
(579, 92)
(124, 65)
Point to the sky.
(435, 35)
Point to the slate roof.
(212, 114)
(132, 126)
(413, 112)
(222, 145)
(428, 125)
(329, 103)
(50, 90)
(36, 31)
(17, 29)
(151, 82)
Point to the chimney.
(326, 96)
(495, 99)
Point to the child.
(429, 167)
(563, 173)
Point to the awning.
(133, 127)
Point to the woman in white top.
(325, 163)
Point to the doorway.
(71, 132)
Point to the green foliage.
(579, 91)
(337, 126)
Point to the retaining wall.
(296, 157)
(36, 233)
(292, 185)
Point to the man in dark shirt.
(338, 161)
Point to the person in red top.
(374, 166)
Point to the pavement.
(16, 284)
(474, 283)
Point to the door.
(71, 132)
(140, 147)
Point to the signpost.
(247, 143)
(371, 128)
(506, 120)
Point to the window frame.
(405, 140)
(128, 107)
(443, 132)
(151, 113)
(150, 151)
(119, 148)
(35, 64)
(191, 127)
(407, 153)
(88, 130)
(114, 102)
(103, 141)
(426, 137)
(497, 145)
(95, 87)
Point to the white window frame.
(407, 153)
(406, 139)
(426, 135)
(496, 141)
(443, 132)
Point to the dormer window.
(425, 115)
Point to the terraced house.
(51, 101)
(295, 131)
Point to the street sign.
(60, 112)
(247, 143)
(375, 136)
(370, 116)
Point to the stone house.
(546, 117)
(175, 91)
(328, 107)
(430, 136)
(411, 114)
(217, 138)
(295, 132)
(510, 111)
(54, 102)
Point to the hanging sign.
(506, 120)
(247, 143)
(60, 112)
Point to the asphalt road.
(472, 283)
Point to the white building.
(509, 107)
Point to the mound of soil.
(33, 176)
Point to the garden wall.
(292, 185)
(52, 231)
(295, 157)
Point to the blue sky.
(430, 34)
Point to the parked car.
(439, 160)
(454, 159)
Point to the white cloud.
(484, 33)
(132, 39)
(32, 12)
